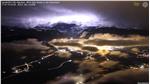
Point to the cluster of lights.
(21, 68)
(140, 67)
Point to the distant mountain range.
(60, 30)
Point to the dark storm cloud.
(119, 13)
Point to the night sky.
(116, 13)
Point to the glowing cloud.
(64, 15)
(79, 19)
(83, 19)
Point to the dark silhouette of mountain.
(16, 33)
(114, 30)
(58, 26)
(74, 30)
(43, 26)
(70, 30)
(60, 30)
